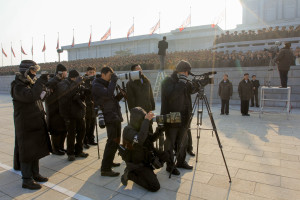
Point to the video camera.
(172, 118)
(274, 49)
(203, 79)
(132, 76)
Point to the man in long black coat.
(225, 92)
(162, 49)
(32, 141)
(245, 93)
(56, 124)
(284, 60)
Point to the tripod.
(196, 105)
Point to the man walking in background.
(245, 92)
(162, 47)
(255, 84)
(225, 92)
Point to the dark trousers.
(89, 130)
(254, 97)
(76, 130)
(178, 137)
(58, 141)
(190, 141)
(225, 106)
(283, 77)
(162, 62)
(145, 177)
(113, 140)
(17, 165)
(29, 170)
(244, 107)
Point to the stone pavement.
(262, 156)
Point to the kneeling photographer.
(176, 97)
(139, 153)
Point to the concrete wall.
(235, 75)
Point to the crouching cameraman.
(139, 153)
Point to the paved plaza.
(263, 156)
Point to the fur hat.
(73, 73)
(183, 66)
(60, 68)
(28, 64)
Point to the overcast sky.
(22, 20)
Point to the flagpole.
(159, 22)
(57, 45)
(2, 53)
(225, 13)
(190, 25)
(32, 49)
(11, 53)
(45, 49)
(110, 39)
(21, 49)
(133, 25)
(133, 34)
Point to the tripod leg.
(161, 141)
(199, 122)
(97, 138)
(216, 133)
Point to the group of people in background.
(261, 34)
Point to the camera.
(172, 118)
(203, 79)
(132, 76)
(100, 117)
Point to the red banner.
(154, 28)
(106, 35)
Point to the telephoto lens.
(101, 119)
(132, 76)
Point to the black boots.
(31, 184)
(110, 173)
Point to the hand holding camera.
(149, 116)
(114, 78)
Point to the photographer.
(103, 92)
(245, 90)
(284, 60)
(139, 153)
(90, 116)
(72, 108)
(176, 97)
(255, 84)
(139, 92)
(32, 141)
(56, 124)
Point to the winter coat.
(245, 90)
(225, 90)
(162, 47)
(71, 100)
(56, 124)
(255, 84)
(104, 97)
(176, 97)
(90, 112)
(32, 137)
(140, 94)
(285, 59)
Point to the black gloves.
(114, 78)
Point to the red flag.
(57, 45)
(185, 23)
(106, 35)
(130, 31)
(22, 51)
(155, 27)
(12, 51)
(90, 40)
(73, 42)
(3, 52)
(213, 25)
(44, 48)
